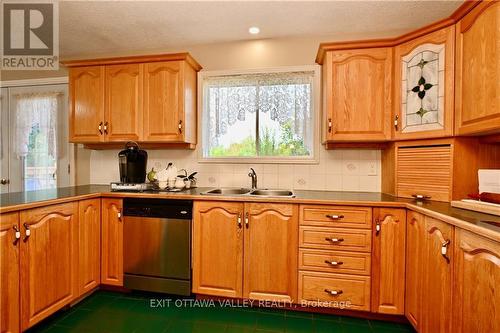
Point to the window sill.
(259, 160)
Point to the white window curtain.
(284, 97)
(35, 138)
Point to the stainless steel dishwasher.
(157, 245)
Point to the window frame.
(315, 110)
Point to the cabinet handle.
(421, 196)
(377, 227)
(239, 220)
(17, 234)
(27, 232)
(333, 263)
(333, 292)
(444, 249)
(330, 125)
(247, 224)
(180, 126)
(99, 128)
(396, 122)
(119, 215)
(106, 124)
(334, 240)
(335, 217)
(4, 181)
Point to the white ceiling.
(114, 27)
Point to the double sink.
(250, 192)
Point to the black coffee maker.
(132, 162)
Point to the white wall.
(349, 170)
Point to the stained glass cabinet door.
(424, 86)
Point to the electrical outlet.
(372, 169)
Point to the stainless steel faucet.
(254, 178)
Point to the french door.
(34, 149)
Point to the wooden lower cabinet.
(245, 250)
(476, 296)
(218, 248)
(48, 260)
(270, 252)
(388, 260)
(429, 261)
(9, 270)
(112, 242)
(89, 245)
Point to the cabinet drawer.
(324, 238)
(424, 171)
(336, 216)
(335, 261)
(352, 289)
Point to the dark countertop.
(485, 224)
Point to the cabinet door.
(476, 299)
(89, 245)
(271, 251)
(123, 109)
(415, 262)
(218, 248)
(112, 242)
(86, 100)
(477, 84)
(358, 95)
(388, 260)
(424, 83)
(163, 101)
(437, 284)
(48, 257)
(9, 273)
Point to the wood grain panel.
(270, 248)
(9, 274)
(348, 239)
(477, 97)
(336, 216)
(425, 171)
(48, 261)
(476, 297)
(218, 248)
(388, 273)
(86, 104)
(335, 261)
(112, 242)
(355, 289)
(89, 245)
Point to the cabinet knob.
(239, 220)
(17, 234)
(334, 240)
(119, 215)
(330, 125)
(180, 126)
(377, 227)
(333, 263)
(106, 124)
(247, 223)
(99, 128)
(444, 249)
(333, 292)
(27, 232)
(335, 217)
(396, 122)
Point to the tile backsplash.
(338, 170)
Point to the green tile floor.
(110, 312)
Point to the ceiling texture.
(112, 27)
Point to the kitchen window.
(266, 116)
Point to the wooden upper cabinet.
(112, 242)
(437, 288)
(148, 99)
(86, 100)
(48, 271)
(357, 94)
(169, 102)
(476, 297)
(423, 86)
(477, 84)
(89, 245)
(218, 248)
(9, 273)
(123, 102)
(271, 251)
(415, 263)
(388, 260)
